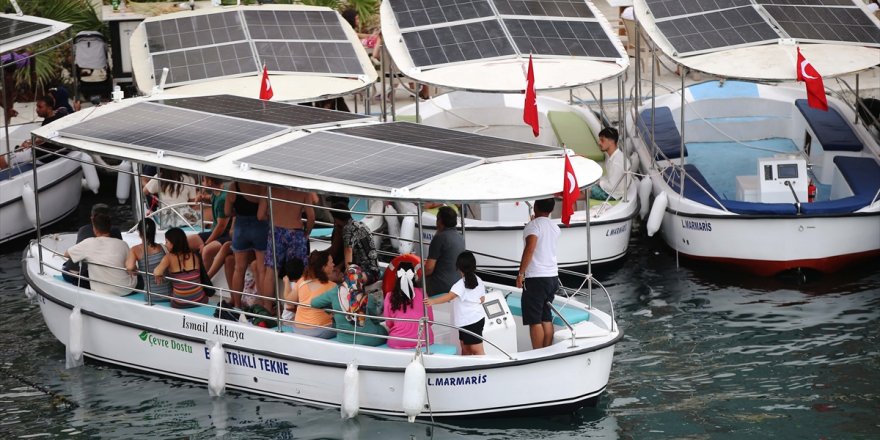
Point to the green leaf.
(144, 334)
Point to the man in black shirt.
(45, 110)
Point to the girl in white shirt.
(467, 308)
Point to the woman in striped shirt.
(184, 271)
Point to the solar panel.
(264, 111)
(294, 25)
(463, 42)
(826, 23)
(546, 8)
(174, 131)
(453, 141)
(358, 161)
(194, 31)
(206, 62)
(561, 37)
(807, 2)
(310, 57)
(671, 8)
(12, 29)
(414, 13)
(715, 30)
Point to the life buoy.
(389, 280)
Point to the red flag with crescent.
(570, 190)
(815, 86)
(530, 107)
(266, 92)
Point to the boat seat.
(572, 315)
(407, 118)
(666, 134)
(435, 348)
(694, 192)
(832, 131)
(15, 170)
(594, 202)
(573, 131)
(862, 174)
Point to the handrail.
(576, 292)
(567, 324)
(797, 201)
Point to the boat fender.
(91, 175)
(29, 292)
(407, 235)
(644, 196)
(217, 369)
(415, 394)
(28, 198)
(393, 223)
(655, 219)
(634, 162)
(389, 278)
(350, 390)
(74, 339)
(375, 221)
(407, 207)
(123, 182)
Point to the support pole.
(418, 98)
(621, 123)
(383, 105)
(36, 200)
(424, 278)
(855, 107)
(601, 103)
(589, 249)
(638, 84)
(278, 306)
(140, 213)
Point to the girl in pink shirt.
(405, 301)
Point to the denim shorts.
(249, 234)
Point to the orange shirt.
(307, 290)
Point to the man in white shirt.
(538, 273)
(611, 182)
(102, 251)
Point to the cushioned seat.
(572, 315)
(832, 131)
(862, 174)
(573, 131)
(435, 348)
(697, 188)
(15, 170)
(666, 134)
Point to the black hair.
(545, 205)
(447, 216)
(315, 269)
(609, 133)
(350, 14)
(399, 301)
(466, 263)
(148, 228)
(100, 208)
(294, 268)
(342, 212)
(177, 238)
(48, 100)
(101, 222)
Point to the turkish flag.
(530, 107)
(815, 87)
(570, 191)
(266, 92)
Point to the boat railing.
(862, 112)
(565, 321)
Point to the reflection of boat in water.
(757, 176)
(495, 228)
(135, 332)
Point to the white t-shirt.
(467, 308)
(168, 218)
(543, 262)
(613, 174)
(108, 251)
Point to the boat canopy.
(34, 29)
(527, 178)
(311, 52)
(507, 73)
(773, 58)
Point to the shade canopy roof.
(17, 32)
(758, 39)
(484, 45)
(527, 178)
(311, 52)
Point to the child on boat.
(468, 294)
(405, 301)
(352, 299)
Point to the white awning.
(57, 27)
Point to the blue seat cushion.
(833, 132)
(572, 315)
(862, 174)
(15, 170)
(697, 188)
(666, 134)
(435, 348)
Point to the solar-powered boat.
(137, 331)
(58, 182)
(481, 51)
(749, 174)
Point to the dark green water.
(707, 354)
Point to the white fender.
(407, 235)
(29, 292)
(658, 210)
(123, 182)
(644, 196)
(91, 175)
(407, 207)
(75, 339)
(29, 199)
(393, 223)
(376, 221)
(350, 392)
(414, 393)
(634, 163)
(217, 369)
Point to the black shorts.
(537, 292)
(469, 339)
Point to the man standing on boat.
(445, 247)
(291, 234)
(611, 181)
(538, 275)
